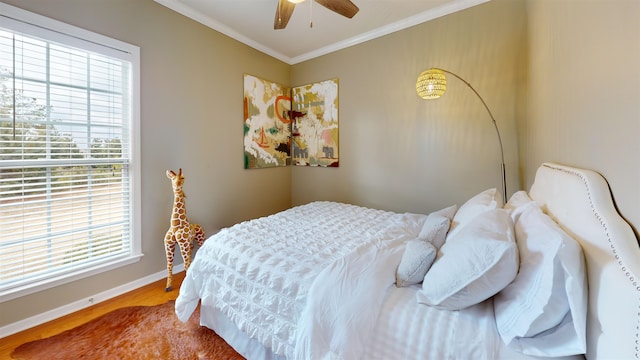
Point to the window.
(69, 149)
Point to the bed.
(550, 274)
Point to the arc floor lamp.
(432, 84)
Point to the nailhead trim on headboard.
(613, 250)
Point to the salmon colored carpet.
(139, 332)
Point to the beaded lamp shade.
(431, 84)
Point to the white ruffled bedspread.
(307, 282)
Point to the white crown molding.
(189, 12)
(435, 13)
(449, 8)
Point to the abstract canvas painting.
(314, 119)
(267, 123)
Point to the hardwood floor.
(152, 294)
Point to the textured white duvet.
(307, 282)
(317, 282)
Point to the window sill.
(49, 283)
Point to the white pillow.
(416, 261)
(543, 312)
(474, 264)
(417, 258)
(487, 200)
(436, 226)
(519, 201)
(448, 212)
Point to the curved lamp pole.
(432, 84)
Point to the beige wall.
(191, 117)
(402, 153)
(583, 93)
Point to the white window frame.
(36, 25)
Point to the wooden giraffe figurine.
(181, 231)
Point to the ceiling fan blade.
(342, 7)
(283, 14)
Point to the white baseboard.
(53, 314)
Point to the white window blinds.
(67, 200)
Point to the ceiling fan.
(285, 9)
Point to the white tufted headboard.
(580, 201)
